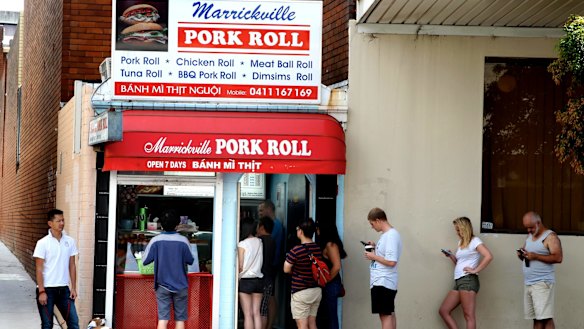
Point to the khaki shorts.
(304, 303)
(538, 301)
(469, 282)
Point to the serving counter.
(135, 302)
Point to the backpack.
(320, 271)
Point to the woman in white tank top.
(250, 259)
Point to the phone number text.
(283, 92)
(228, 91)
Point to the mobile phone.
(521, 250)
(446, 252)
(364, 243)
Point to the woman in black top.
(327, 237)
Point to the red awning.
(295, 143)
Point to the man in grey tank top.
(542, 249)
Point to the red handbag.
(320, 271)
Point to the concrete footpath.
(17, 294)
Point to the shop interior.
(140, 206)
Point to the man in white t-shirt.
(56, 273)
(383, 269)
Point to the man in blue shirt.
(267, 209)
(170, 253)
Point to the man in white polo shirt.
(55, 269)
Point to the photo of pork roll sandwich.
(142, 13)
(144, 33)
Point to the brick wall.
(2, 103)
(65, 46)
(86, 41)
(335, 40)
(6, 225)
(29, 190)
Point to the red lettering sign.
(227, 142)
(243, 38)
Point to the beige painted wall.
(414, 145)
(76, 197)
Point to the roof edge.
(466, 31)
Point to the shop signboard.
(221, 153)
(252, 142)
(217, 51)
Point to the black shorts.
(251, 286)
(382, 300)
(268, 293)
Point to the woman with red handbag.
(306, 294)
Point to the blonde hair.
(465, 229)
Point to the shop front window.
(140, 206)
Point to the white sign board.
(192, 191)
(253, 186)
(217, 50)
(98, 130)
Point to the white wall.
(76, 176)
(414, 148)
